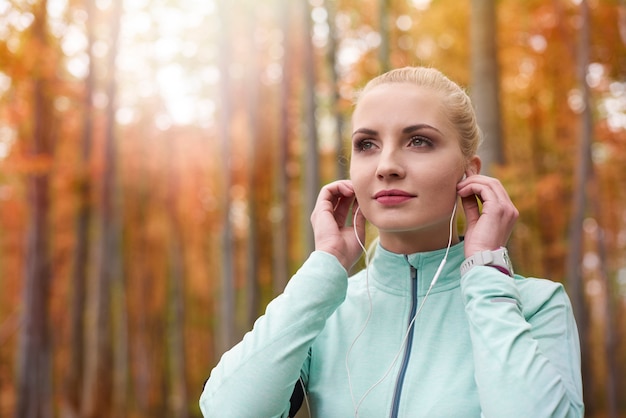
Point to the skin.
(406, 174)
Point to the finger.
(496, 200)
(487, 188)
(344, 202)
(470, 208)
(330, 194)
(494, 206)
(342, 209)
(330, 198)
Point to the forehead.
(400, 103)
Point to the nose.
(390, 165)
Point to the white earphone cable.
(369, 313)
(406, 335)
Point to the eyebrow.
(365, 131)
(407, 130)
(418, 127)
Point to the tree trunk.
(98, 394)
(311, 154)
(621, 20)
(342, 159)
(121, 348)
(610, 340)
(34, 380)
(485, 81)
(583, 167)
(383, 52)
(252, 282)
(179, 392)
(176, 332)
(74, 377)
(610, 337)
(280, 213)
(227, 296)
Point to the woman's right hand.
(331, 233)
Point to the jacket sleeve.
(257, 376)
(527, 358)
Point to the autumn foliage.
(156, 174)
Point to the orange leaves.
(36, 165)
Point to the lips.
(392, 197)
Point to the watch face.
(507, 260)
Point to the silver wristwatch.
(498, 259)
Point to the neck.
(412, 242)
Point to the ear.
(473, 165)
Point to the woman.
(435, 326)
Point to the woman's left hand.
(490, 228)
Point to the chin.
(395, 224)
(402, 224)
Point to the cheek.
(359, 182)
(450, 169)
(358, 185)
(438, 183)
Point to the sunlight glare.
(103, 4)
(56, 8)
(4, 7)
(175, 91)
(614, 106)
(595, 74)
(165, 49)
(404, 22)
(125, 116)
(137, 24)
(74, 41)
(157, 41)
(7, 138)
(136, 5)
(538, 43)
(78, 66)
(211, 75)
(5, 83)
(273, 73)
(421, 4)
(575, 101)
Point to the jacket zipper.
(395, 406)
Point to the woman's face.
(406, 162)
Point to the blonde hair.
(457, 104)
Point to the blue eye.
(420, 141)
(363, 145)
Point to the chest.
(380, 363)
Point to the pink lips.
(392, 197)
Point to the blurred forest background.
(159, 160)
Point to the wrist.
(338, 255)
(498, 259)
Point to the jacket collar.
(392, 272)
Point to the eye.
(363, 145)
(420, 141)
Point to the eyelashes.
(416, 141)
(363, 145)
(421, 141)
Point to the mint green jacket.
(483, 345)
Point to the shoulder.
(357, 283)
